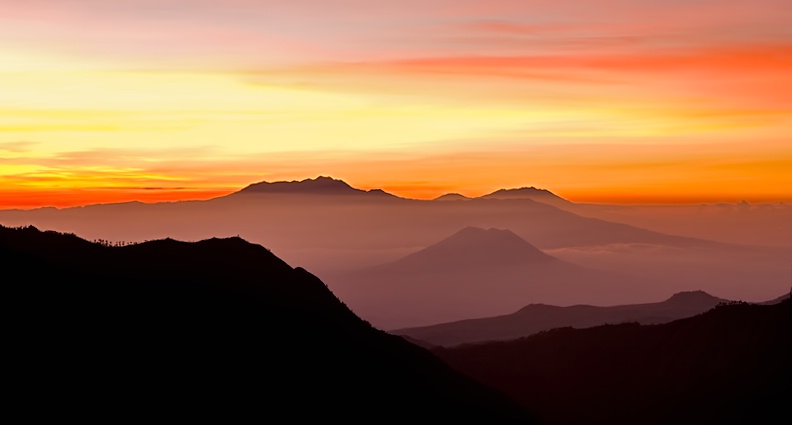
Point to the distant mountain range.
(536, 318)
(473, 273)
(293, 215)
(325, 185)
(219, 329)
(333, 228)
(729, 365)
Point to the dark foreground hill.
(730, 365)
(216, 329)
(535, 318)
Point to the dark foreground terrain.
(218, 329)
(730, 365)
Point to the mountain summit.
(322, 185)
(473, 246)
(532, 193)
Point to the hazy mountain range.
(335, 230)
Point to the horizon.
(621, 102)
(126, 197)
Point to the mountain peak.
(533, 193)
(693, 298)
(474, 246)
(322, 185)
(452, 197)
(690, 295)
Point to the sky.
(613, 101)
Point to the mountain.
(777, 299)
(452, 197)
(729, 365)
(321, 185)
(536, 318)
(475, 247)
(218, 329)
(532, 193)
(473, 273)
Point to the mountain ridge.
(535, 318)
(728, 365)
(321, 185)
(533, 193)
(219, 328)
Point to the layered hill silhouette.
(729, 365)
(215, 329)
(474, 272)
(536, 318)
(361, 220)
(328, 226)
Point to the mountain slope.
(473, 247)
(473, 273)
(729, 365)
(535, 318)
(219, 329)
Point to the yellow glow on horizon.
(150, 108)
(76, 126)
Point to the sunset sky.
(597, 101)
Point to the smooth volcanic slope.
(474, 273)
(536, 318)
(729, 365)
(218, 329)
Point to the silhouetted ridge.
(692, 297)
(474, 246)
(452, 197)
(777, 299)
(321, 185)
(729, 365)
(541, 195)
(535, 318)
(219, 328)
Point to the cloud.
(18, 146)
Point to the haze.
(401, 262)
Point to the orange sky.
(612, 101)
